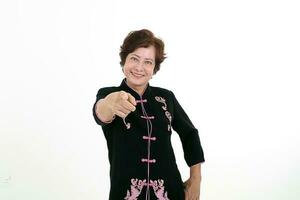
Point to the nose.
(139, 66)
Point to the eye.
(134, 59)
(148, 62)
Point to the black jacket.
(142, 161)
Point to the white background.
(233, 65)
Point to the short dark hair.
(142, 38)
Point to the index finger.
(131, 99)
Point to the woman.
(137, 121)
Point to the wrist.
(195, 177)
(104, 111)
(195, 172)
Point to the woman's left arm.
(192, 185)
(193, 152)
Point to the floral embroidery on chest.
(164, 107)
(137, 187)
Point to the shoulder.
(163, 92)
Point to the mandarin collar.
(126, 88)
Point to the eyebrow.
(140, 57)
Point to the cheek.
(126, 69)
(150, 71)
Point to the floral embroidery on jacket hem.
(137, 187)
(159, 189)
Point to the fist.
(121, 103)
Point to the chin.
(138, 82)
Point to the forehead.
(145, 52)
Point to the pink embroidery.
(148, 160)
(149, 129)
(147, 117)
(137, 187)
(164, 107)
(141, 101)
(149, 138)
(159, 189)
(126, 124)
(161, 100)
(168, 115)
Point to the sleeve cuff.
(98, 120)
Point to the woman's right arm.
(116, 103)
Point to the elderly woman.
(137, 121)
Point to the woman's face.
(138, 67)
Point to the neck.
(140, 90)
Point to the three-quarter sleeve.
(193, 152)
(102, 93)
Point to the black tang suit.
(142, 161)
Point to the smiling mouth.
(137, 75)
